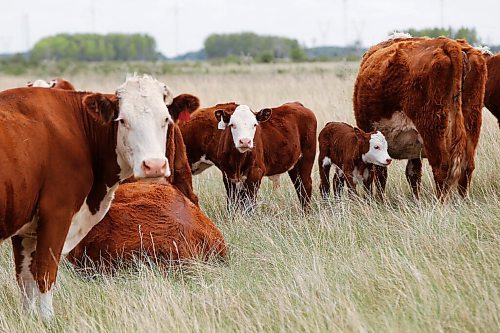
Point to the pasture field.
(351, 265)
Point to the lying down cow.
(153, 220)
(247, 146)
(58, 83)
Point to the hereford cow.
(492, 94)
(425, 95)
(155, 220)
(247, 146)
(352, 152)
(62, 155)
(56, 84)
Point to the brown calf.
(151, 219)
(247, 146)
(425, 95)
(352, 152)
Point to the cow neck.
(102, 146)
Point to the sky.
(180, 26)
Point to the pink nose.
(154, 167)
(245, 143)
(388, 161)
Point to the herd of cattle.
(63, 153)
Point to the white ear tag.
(221, 125)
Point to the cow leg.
(338, 183)
(54, 220)
(380, 180)
(367, 183)
(324, 175)
(301, 178)
(233, 194)
(249, 195)
(414, 175)
(24, 249)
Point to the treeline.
(463, 33)
(259, 48)
(94, 47)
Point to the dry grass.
(348, 266)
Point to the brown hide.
(156, 220)
(492, 93)
(344, 147)
(285, 142)
(425, 95)
(53, 155)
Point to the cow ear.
(263, 115)
(182, 107)
(102, 108)
(168, 95)
(357, 132)
(223, 117)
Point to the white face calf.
(243, 123)
(377, 154)
(142, 130)
(42, 83)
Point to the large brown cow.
(62, 155)
(155, 220)
(425, 95)
(247, 146)
(492, 93)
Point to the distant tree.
(261, 48)
(94, 47)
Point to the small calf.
(352, 152)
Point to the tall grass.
(350, 265)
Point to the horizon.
(181, 27)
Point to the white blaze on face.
(243, 123)
(142, 131)
(377, 154)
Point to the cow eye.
(377, 147)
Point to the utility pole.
(345, 22)
(176, 30)
(442, 13)
(92, 16)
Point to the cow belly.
(403, 139)
(83, 221)
(201, 165)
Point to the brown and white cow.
(62, 155)
(425, 95)
(492, 93)
(58, 83)
(153, 220)
(247, 146)
(352, 152)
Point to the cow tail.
(457, 134)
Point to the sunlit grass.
(350, 265)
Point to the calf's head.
(140, 110)
(242, 124)
(374, 149)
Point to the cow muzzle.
(155, 167)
